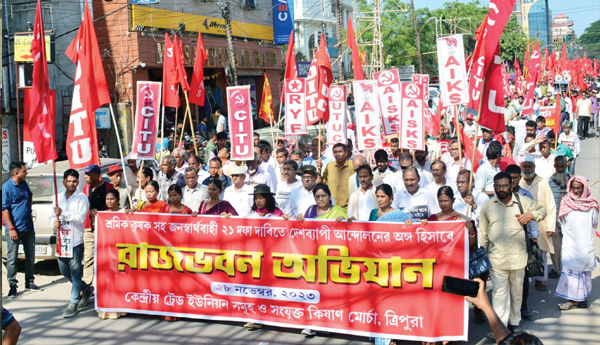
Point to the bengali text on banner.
(367, 279)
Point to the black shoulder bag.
(535, 261)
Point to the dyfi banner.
(146, 120)
(390, 95)
(367, 114)
(283, 20)
(412, 136)
(371, 279)
(453, 72)
(337, 126)
(295, 107)
(240, 123)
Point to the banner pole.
(112, 114)
(55, 184)
(191, 123)
(320, 122)
(176, 113)
(182, 128)
(458, 136)
(162, 134)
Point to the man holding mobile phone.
(503, 238)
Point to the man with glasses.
(302, 197)
(288, 184)
(406, 160)
(501, 235)
(238, 195)
(438, 170)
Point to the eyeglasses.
(404, 167)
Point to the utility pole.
(418, 36)
(339, 34)
(226, 13)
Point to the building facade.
(561, 28)
(536, 21)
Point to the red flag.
(478, 66)
(492, 109)
(563, 58)
(325, 79)
(41, 120)
(197, 92)
(170, 91)
(534, 67)
(291, 71)
(557, 125)
(518, 79)
(89, 93)
(432, 121)
(595, 68)
(179, 75)
(498, 15)
(526, 60)
(546, 62)
(266, 104)
(468, 145)
(351, 42)
(552, 62)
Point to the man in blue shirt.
(18, 224)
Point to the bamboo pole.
(112, 114)
(162, 134)
(189, 113)
(458, 136)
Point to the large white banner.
(453, 72)
(412, 136)
(390, 96)
(366, 106)
(295, 107)
(338, 122)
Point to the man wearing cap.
(487, 138)
(288, 184)
(542, 194)
(115, 174)
(238, 194)
(470, 126)
(193, 192)
(544, 159)
(302, 197)
(95, 189)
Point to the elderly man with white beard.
(558, 184)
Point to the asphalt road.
(40, 312)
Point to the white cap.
(528, 158)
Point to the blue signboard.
(283, 20)
(144, 2)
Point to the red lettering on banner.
(389, 94)
(295, 99)
(338, 123)
(451, 62)
(453, 75)
(367, 119)
(240, 124)
(286, 273)
(412, 134)
(296, 105)
(451, 86)
(146, 129)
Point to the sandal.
(568, 306)
(541, 287)
(583, 305)
(553, 274)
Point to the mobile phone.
(461, 287)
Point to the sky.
(582, 13)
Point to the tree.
(590, 40)
(513, 42)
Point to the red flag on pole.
(89, 93)
(170, 92)
(41, 122)
(478, 65)
(557, 125)
(351, 42)
(518, 79)
(526, 60)
(468, 145)
(325, 79)
(498, 15)
(266, 104)
(563, 58)
(432, 121)
(179, 75)
(492, 109)
(197, 91)
(291, 71)
(534, 68)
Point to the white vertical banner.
(337, 126)
(453, 71)
(295, 107)
(390, 96)
(366, 107)
(412, 136)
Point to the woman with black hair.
(175, 196)
(323, 208)
(264, 203)
(214, 205)
(384, 195)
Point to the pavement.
(40, 313)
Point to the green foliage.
(590, 40)
(514, 42)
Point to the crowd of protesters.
(523, 190)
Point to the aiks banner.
(367, 279)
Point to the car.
(41, 183)
(434, 95)
(313, 130)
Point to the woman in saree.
(264, 203)
(214, 205)
(323, 208)
(175, 196)
(152, 204)
(384, 195)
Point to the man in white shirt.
(193, 192)
(238, 194)
(484, 142)
(438, 170)
(383, 169)
(421, 162)
(467, 201)
(567, 137)
(584, 112)
(530, 128)
(222, 122)
(470, 126)
(544, 160)
(416, 202)
(180, 159)
(313, 159)
(302, 197)
(71, 213)
(257, 175)
(484, 178)
(406, 160)
(363, 201)
(289, 183)
(353, 183)
(264, 152)
(453, 162)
